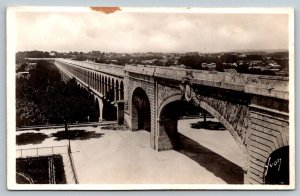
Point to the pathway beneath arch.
(141, 114)
(119, 157)
(215, 150)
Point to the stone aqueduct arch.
(258, 122)
(105, 87)
(203, 105)
(254, 109)
(162, 142)
(209, 109)
(140, 110)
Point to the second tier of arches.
(108, 86)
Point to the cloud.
(157, 32)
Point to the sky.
(130, 32)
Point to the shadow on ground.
(209, 125)
(115, 127)
(76, 135)
(30, 138)
(218, 165)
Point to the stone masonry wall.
(149, 87)
(269, 131)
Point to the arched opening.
(85, 75)
(112, 90)
(99, 109)
(108, 90)
(117, 92)
(198, 135)
(105, 87)
(121, 91)
(109, 111)
(97, 82)
(100, 83)
(90, 78)
(141, 114)
(93, 80)
(169, 117)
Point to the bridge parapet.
(253, 108)
(270, 86)
(116, 70)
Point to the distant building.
(114, 61)
(209, 66)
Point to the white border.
(10, 90)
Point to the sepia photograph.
(128, 98)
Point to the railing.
(270, 86)
(50, 151)
(75, 178)
(54, 126)
(277, 82)
(42, 151)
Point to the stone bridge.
(104, 81)
(253, 108)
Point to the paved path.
(126, 157)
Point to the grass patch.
(76, 135)
(30, 138)
(40, 170)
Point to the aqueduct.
(253, 108)
(105, 82)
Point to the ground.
(111, 156)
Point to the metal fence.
(75, 178)
(42, 151)
(65, 151)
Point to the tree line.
(43, 98)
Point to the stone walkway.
(125, 157)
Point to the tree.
(45, 98)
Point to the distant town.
(250, 62)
